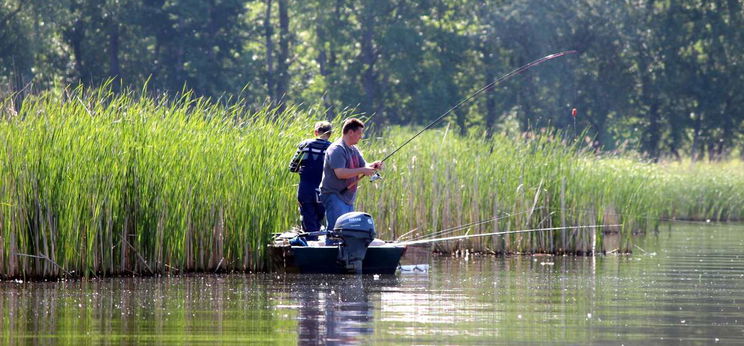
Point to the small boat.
(383, 259)
(352, 248)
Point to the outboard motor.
(356, 230)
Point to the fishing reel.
(375, 176)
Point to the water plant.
(712, 191)
(447, 180)
(96, 183)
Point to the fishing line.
(456, 228)
(468, 236)
(459, 227)
(489, 86)
(475, 223)
(508, 215)
(639, 216)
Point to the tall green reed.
(96, 183)
(702, 191)
(443, 180)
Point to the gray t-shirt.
(340, 155)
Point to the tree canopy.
(660, 76)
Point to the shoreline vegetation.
(95, 183)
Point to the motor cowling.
(356, 231)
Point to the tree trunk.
(332, 61)
(489, 67)
(367, 57)
(323, 64)
(282, 63)
(76, 35)
(653, 133)
(711, 146)
(525, 95)
(491, 114)
(268, 33)
(696, 138)
(6, 19)
(721, 150)
(114, 66)
(18, 86)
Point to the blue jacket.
(308, 162)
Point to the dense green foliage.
(712, 192)
(656, 75)
(102, 183)
(111, 184)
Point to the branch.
(12, 14)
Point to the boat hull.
(324, 259)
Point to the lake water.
(684, 284)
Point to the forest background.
(659, 77)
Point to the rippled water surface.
(685, 284)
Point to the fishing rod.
(489, 86)
(468, 236)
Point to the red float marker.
(573, 112)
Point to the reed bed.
(703, 191)
(94, 183)
(443, 181)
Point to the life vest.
(308, 160)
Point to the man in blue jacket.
(308, 162)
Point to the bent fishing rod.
(487, 87)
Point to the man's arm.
(346, 173)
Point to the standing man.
(308, 162)
(342, 169)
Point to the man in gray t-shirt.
(343, 166)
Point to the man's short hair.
(352, 124)
(323, 128)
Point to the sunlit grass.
(96, 183)
(703, 190)
(442, 181)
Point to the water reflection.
(337, 309)
(174, 310)
(303, 309)
(684, 285)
